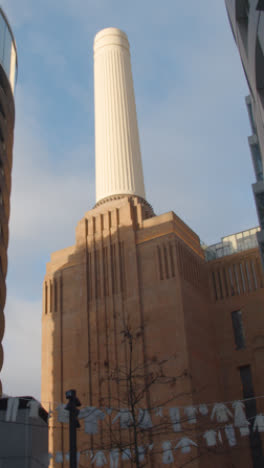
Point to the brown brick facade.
(150, 272)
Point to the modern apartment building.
(8, 73)
(24, 433)
(247, 24)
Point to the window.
(251, 411)
(242, 13)
(236, 279)
(231, 281)
(220, 285)
(46, 298)
(259, 198)
(257, 162)
(260, 5)
(242, 277)
(248, 276)
(250, 113)
(2, 110)
(247, 383)
(238, 329)
(55, 296)
(225, 282)
(51, 297)
(214, 285)
(260, 70)
(254, 274)
(242, 9)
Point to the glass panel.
(220, 284)
(247, 7)
(2, 38)
(248, 276)
(260, 5)
(214, 285)
(237, 280)
(255, 150)
(231, 281)
(238, 329)
(13, 68)
(251, 117)
(251, 412)
(254, 274)
(7, 52)
(225, 281)
(242, 277)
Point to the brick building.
(209, 314)
(196, 310)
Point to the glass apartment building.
(247, 23)
(8, 73)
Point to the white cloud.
(194, 144)
(48, 197)
(47, 202)
(22, 348)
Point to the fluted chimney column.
(117, 149)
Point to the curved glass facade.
(8, 55)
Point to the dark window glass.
(260, 5)
(214, 285)
(251, 411)
(247, 383)
(220, 285)
(238, 329)
(55, 295)
(2, 110)
(225, 282)
(236, 279)
(242, 9)
(242, 277)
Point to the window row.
(51, 296)
(237, 279)
(106, 271)
(191, 267)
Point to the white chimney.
(117, 149)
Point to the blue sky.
(193, 125)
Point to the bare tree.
(137, 382)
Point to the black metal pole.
(73, 440)
(73, 424)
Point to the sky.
(193, 123)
